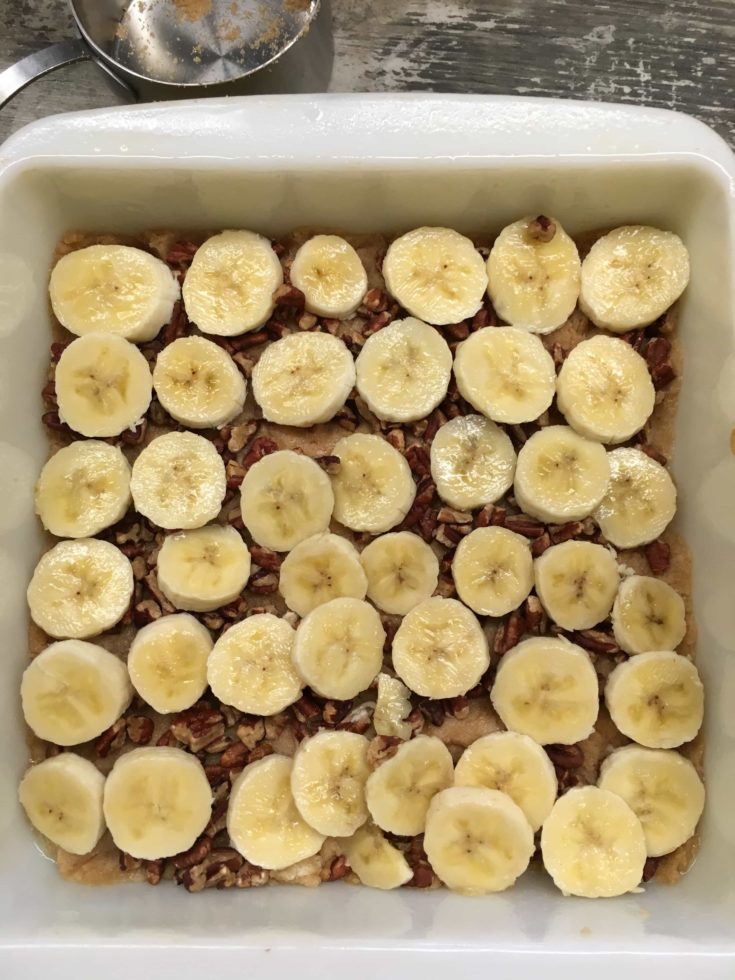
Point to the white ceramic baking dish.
(373, 163)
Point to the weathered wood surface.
(677, 54)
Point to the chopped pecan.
(140, 568)
(435, 421)
(382, 747)
(287, 295)
(558, 354)
(658, 350)
(166, 739)
(539, 545)
(596, 641)
(417, 721)
(249, 876)
(181, 252)
(213, 621)
(48, 393)
(240, 435)
(377, 322)
(484, 517)
(266, 558)
(234, 473)
(529, 527)
(216, 774)
(140, 729)
(654, 453)
(151, 581)
(448, 515)
(331, 324)
(234, 755)
(57, 349)
(218, 820)
(421, 503)
(153, 870)
(198, 727)
(636, 339)
(306, 709)
(650, 868)
(418, 459)
(337, 869)
(534, 615)
(565, 756)
(541, 229)
(111, 740)
(195, 855)
(457, 331)
(427, 524)
(459, 707)
(330, 464)
(260, 447)
(445, 587)
(234, 519)
(376, 301)
(433, 711)
(480, 319)
(245, 363)
(334, 711)
(661, 375)
(346, 418)
(658, 556)
(260, 752)
(264, 583)
(509, 633)
(397, 439)
(423, 876)
(565, 532)
(307, 321)
(52, 421)
(128, 863)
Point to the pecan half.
(198, 727)
(529, 527)
(596, 641)
(658, 556)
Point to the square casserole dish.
(374, 163)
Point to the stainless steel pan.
(162, 49)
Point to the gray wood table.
(677, 54)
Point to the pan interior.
(193, 42)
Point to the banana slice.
(436, 274)
(80, 588)
(506, 373)
(167, 662)
(157, 802)
(339, 648)
(560, 475)
(604, 390)
(229, 287)
(403, 370)
(325, 566)
(493, 570)
(74, 691)
(373, 487)
(203, 569)
(631, 276)
(198, 383)
(329, 273)
(179, 481)
(328, 782)
(648, 615)
(103, 385)
(639, 502)
(534, 274)
(262, 820)
(82, 489)
(113, 289)
(62, 798)
(547, 688)
(440, 650)
(401, 570)
(576, 582)
(472, 462)
(285, 498)
(656, 699)
(392, 708)
(250, 666)
(515, 765)
(592, 844)
(376, 862)
(477, 840)
(662, 788)
(399, 791)
(303, 379)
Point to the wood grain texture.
(677, 54)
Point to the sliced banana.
(179, 481)
(167, 662)
(375, 861)
(262, 819)
(604, 390)
(303, 379)
(157, 802)
(662, 788)
(403, 370)
(534, 274)
(477, 840)
(373, 487)
(506, 373)
(400, 790)
(493, 570)
(103, 385)
(547, 688)
(631, 276)
(80, 588)
(639, 502)
(198, 383)
(515, 765)
(328, 782)
(648, 615)
(285, 498)
(656, 699)
(203, 569)
(323, 567)
(402, 571)
(229, 287)
(74, 691)
(62, 798)
(592, 844)
(330, 274)
(472, 462)
(576, 582)
(436, 274)
(113, 289)
(250, 666)
(339, 648)
(392, 708)
(83, 488)
(440, 649)
(560, 475)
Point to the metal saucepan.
(163, 49)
